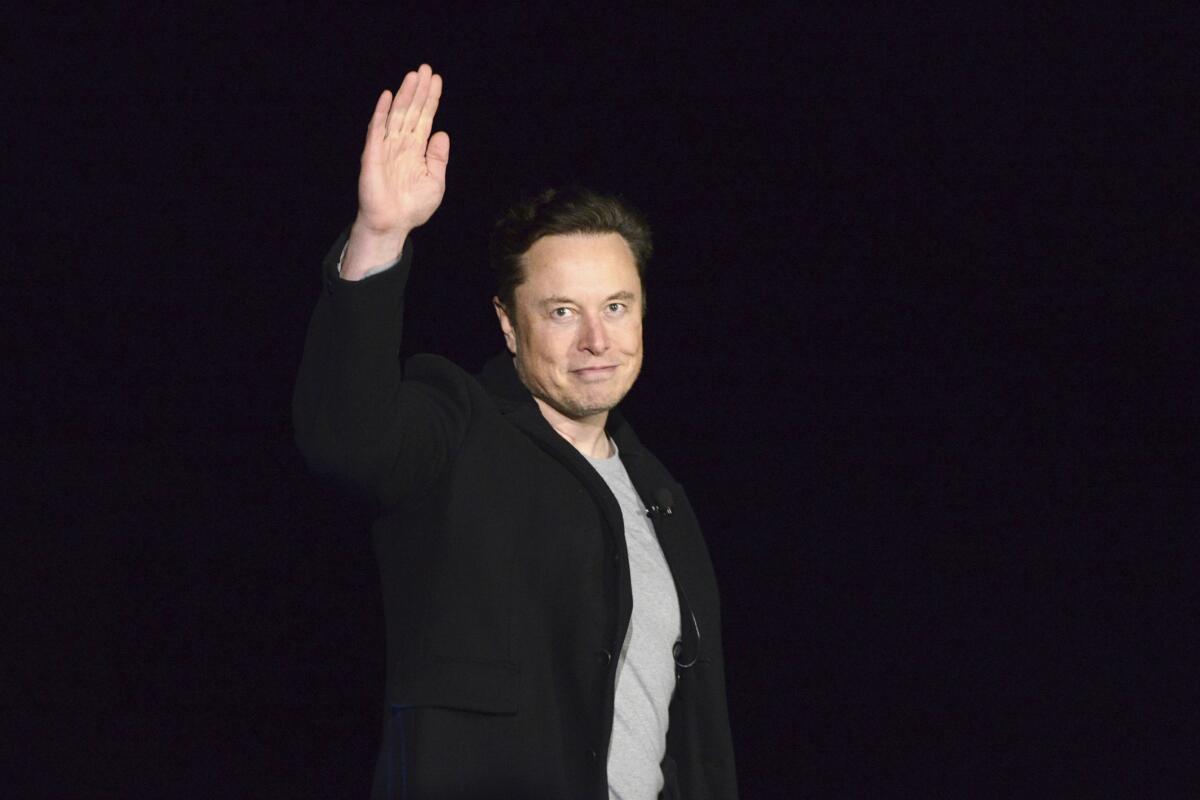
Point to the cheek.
(632, 339)
(550, 348)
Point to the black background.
(910, 337)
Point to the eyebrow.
(558, 300)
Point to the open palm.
(403, 176)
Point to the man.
(553, 627)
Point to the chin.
(581, 407)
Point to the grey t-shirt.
(646, 666)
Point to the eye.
(616, 308)
(562, 312)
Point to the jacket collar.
(499, 377)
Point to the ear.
(506, 325)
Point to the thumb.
(437, 155)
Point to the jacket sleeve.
(382, 430)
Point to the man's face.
(576, 330)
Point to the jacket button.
(604, 657)
(592, 754)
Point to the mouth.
(594, 373)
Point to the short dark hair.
(561, 211)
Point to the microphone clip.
(662, 504)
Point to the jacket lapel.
(515, 403)
(513, 400)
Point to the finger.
(425, 121)
(400, 103)
(375, 128)
(413, 112)
(437, 156)
(404, 96)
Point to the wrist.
(365, 233)
(370, 250)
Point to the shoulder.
(441, 375)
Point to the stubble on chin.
(587, 404)
(579, 408)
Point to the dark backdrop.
(897, 352)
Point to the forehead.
(583, 264)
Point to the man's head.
(570, 299)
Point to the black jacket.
(503, 564)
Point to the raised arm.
(381, 430)
(403, 174)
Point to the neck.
(586, 434)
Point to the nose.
(592, 336)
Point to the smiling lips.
(589, 374)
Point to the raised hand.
(403, 175)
